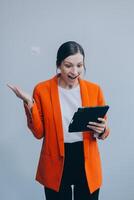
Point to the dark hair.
(67, 49)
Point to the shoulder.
(95, 90)
(42, 86)
(91, 85)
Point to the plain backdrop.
(31, 33)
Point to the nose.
(74, 70)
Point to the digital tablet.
(84, 115)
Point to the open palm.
(20, 93)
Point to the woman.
(66, 159)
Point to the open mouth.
(73, 77)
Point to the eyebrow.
(72, 63)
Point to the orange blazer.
(45, 122)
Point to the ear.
(58, 69)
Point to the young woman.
(66, 159)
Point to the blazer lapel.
(86, 101)
(57, 113)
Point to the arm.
(32, 109)
(101, 102)
(101, 130)
(34, 115)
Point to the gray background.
(31, 32)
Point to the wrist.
(28, 101)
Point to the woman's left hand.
(99, 128)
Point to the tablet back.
(84, 115)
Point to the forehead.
(76, 58)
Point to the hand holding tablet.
(85, 115)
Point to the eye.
(80, 65)
(67, 65)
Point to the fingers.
(10, 86)
(16, 90)
(102, 120)
(103, 137)
(102, 123)
(13, 88)
(20, 93)
(97, 127)
(97, 124)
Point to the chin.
(73, 82)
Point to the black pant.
(73, 174)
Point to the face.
(71, 69)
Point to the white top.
(70, 100)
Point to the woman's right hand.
(21, 94)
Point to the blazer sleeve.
(101, 102)
(35, 116)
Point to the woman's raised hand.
(20, 93)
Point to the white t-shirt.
(70, 100)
